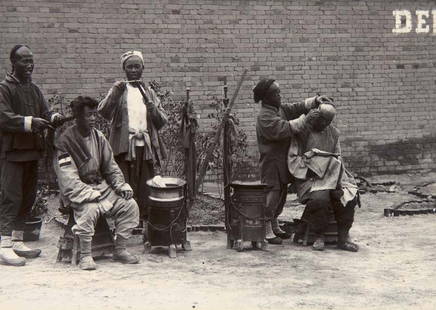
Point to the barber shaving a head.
(136, 116)
(277, 123)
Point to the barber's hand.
(120, 85)
(311, 103)
(57, 119)
(324, 99)
(315, 101)
(39, 124)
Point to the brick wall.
(384, 83)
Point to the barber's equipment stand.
(245, 208)
(246, 216)
(167, 216)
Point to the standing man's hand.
(39, 124)
(120, 85)
(315, 101)
(311, 103)
(57, 119)
(324, 99)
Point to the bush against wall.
(172, 138)
(171, 134)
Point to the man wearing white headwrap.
(130, 54)
(136, 115)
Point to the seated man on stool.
(322, 182)
(92, 183)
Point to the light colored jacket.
(114, 109)
(316, 164)
(81, 181)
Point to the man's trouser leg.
(345, 217)
(19, 185)
(86, 216)
(136, 173)
(272, 201)
(19, 181)
(126, 216)
(316, 212)
(279, 209)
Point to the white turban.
(129, 54)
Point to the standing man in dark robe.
(136, 116)
(24, 114)
(276, 124)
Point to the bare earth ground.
(395, 269)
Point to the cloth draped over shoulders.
(316, 164)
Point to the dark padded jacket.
(16, 102)
(273, 138)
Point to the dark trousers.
(18, 194)
(275, 200)
(317, 210)
(136, 173)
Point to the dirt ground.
(394, 269)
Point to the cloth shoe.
(86, 261)
(344, 242)
(120, 253)
(275, 240)
(278, 231)
(269, 234)
(7, 254)
(318, 245)
(20, 248)
(270, 237)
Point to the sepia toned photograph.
(217, 154)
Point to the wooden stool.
(69, 247)
(330, 236)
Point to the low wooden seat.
(331, 235)
(68, 244)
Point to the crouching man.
(322, 182)
(92, 183)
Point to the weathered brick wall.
(383, 83)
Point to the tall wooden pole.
(209, 152)
(227, 166)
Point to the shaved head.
(328, 111)
(327, 114)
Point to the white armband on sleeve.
(28, 123)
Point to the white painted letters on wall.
(434, 21)
(421, 22)
(399, 27)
